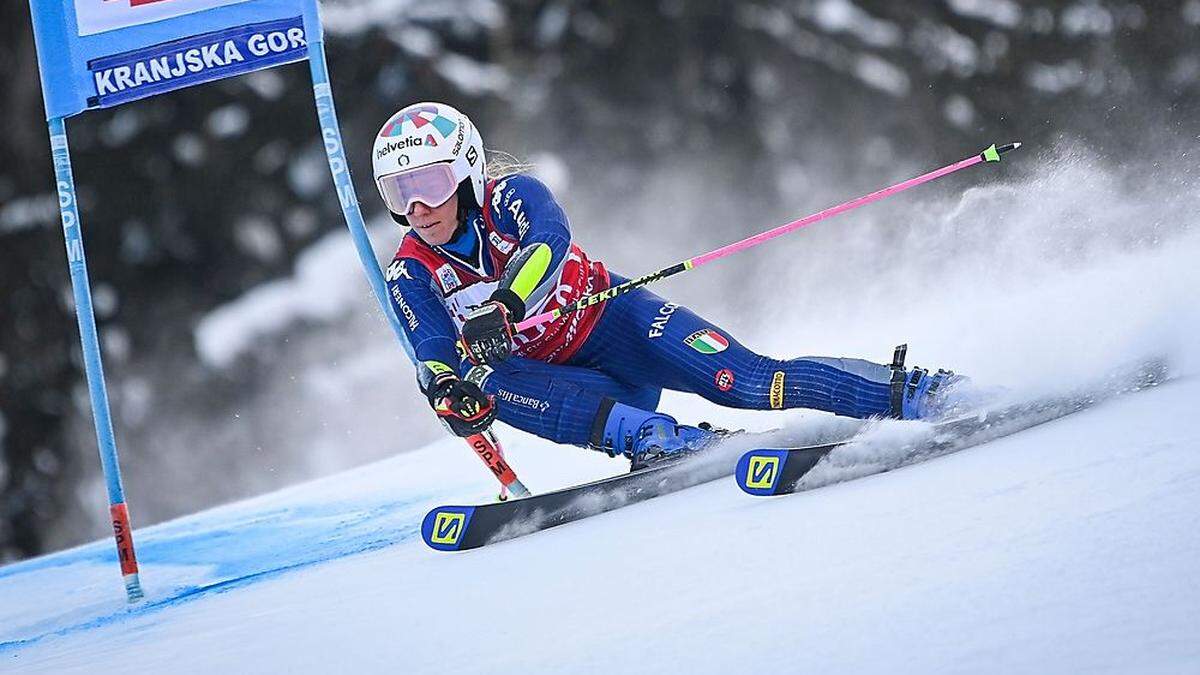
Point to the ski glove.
(462, 406)
(487, 334)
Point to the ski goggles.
(431, 185)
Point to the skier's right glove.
(461, 405)
(487, 334)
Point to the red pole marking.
(493, 458)
(123, 533)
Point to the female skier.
(483, 252)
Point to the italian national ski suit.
(564, 375)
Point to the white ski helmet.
(427, 135)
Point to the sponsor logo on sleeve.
(409, 317)
(397, 270)
(777, 390)
(498, 195)
(659, 323)
(519, 218)
(707, 341)
(501, 244)
(171, 65)
(724, 379)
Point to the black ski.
(458, 528)
(767, 472)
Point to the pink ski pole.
(992, 154)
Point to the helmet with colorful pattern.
(425, 152)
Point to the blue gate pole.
(331, 135)
(93, 368)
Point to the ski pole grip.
(533, 321)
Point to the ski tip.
(445, 527)
(758, 471)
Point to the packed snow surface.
(1070, 547)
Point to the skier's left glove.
(461, 405)
(487, 334)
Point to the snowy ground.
(1071, 547)
(1067, 548)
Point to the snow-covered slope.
(1067, 548)
(1071, 547)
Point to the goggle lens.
(431, 185)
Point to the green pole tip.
(991, 154)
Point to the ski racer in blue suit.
(483, 253)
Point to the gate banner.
(102, 53)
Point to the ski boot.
(648, 438)
(917, 395)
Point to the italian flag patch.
(707, 341)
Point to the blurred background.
(243, 347)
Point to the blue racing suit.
(626, 350)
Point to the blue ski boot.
(646, 437)
(917, 395)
